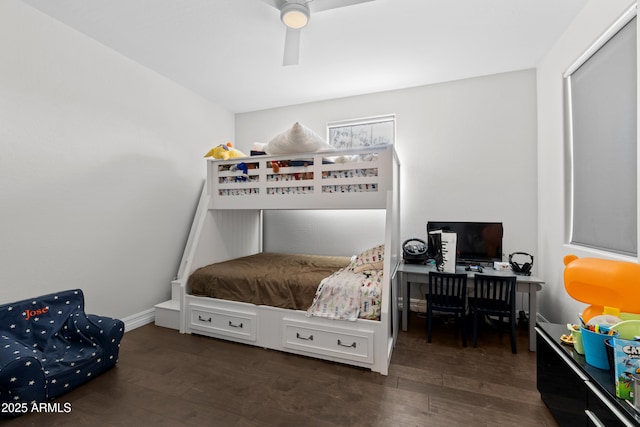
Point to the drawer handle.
(309, 338)
(594, 418)
(345, 345)
(235, 326)
(202, 319)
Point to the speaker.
(521, 268)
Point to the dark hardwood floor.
(164, 378)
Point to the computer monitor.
(477, 242)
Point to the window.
(602, 116)
(362, 132)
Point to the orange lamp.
(603, 283)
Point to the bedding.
(371, 259)
(333, 287)
(349, 295)
(274, 279)
(353, 292)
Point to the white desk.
(419, 273)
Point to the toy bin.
(577, 341)
(628, 329)
(594, 348)
(610, 350)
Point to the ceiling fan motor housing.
(295, 15)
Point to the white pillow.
(297, 139)
(371, 259)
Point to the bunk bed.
(228, 225)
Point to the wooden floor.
(164, 378)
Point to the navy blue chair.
(447, 293)
(494, 296)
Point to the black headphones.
(521, 268)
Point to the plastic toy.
(225, 151)
(603, 284)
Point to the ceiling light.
(294, 15)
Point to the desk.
(419, 273)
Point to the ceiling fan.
(295, 14)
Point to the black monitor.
(477, 242)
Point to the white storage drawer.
(237, 324)
(330, 341)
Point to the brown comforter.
(278, 280)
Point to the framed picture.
(364, 132)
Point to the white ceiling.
(230, 51)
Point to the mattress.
(274, 279)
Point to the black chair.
(447, 293)
(494, 296)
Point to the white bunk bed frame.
(228, 225)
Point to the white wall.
(100, 167)
(101, 161)
(342, 233)
(467, 149)
(555, 304)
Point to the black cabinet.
(598, 412)
(562, 388)
(576, 393)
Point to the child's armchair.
(22, 379)
(49, 345)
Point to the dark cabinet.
(562, 388)
(576, 393)
(600, 411)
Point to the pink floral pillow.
(371, 259)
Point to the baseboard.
(414, 305)
(140, 319)
(420, 306)
(540, 318)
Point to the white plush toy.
(296, 139)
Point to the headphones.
(414, 251)
(524, 268)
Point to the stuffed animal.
(225, 151)
(242, 167)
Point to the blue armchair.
(48, 346)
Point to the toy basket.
(594, 348)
